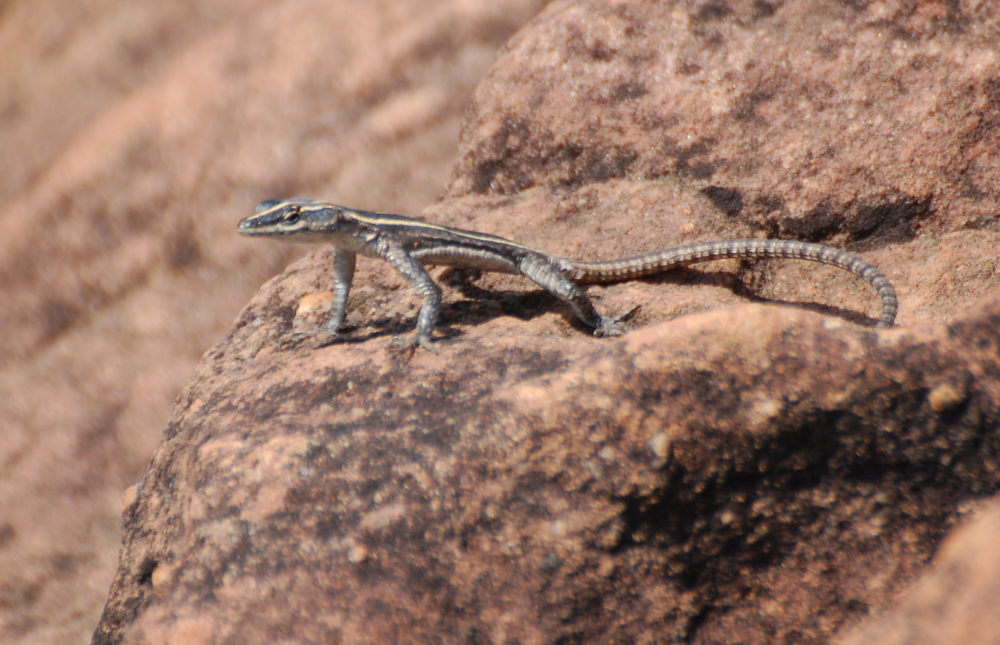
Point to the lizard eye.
(292, 216)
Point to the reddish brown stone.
(956, 600)
(775, 480)
(754, 473)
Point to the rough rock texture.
(799, 118)
(749, 473)
(771, 482)
(956, 601)
(134, 136)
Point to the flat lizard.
(408, 244)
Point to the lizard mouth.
(245, 227)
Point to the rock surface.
(748, 472)
(954, 602)
(751, 472)
(774, 482)
(135, 135)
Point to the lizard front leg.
(419, 279)
(343, 275)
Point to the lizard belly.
(466, 258)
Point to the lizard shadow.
(482, 305)
(528, 305)
(735, 283)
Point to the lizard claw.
(410, 344)
(609, 327)
(615, 326)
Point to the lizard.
(408, 244)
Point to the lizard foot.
(615, 326)
(410, 344)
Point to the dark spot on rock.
(727, 200)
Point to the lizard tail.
(659, 261)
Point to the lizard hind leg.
(548, 275)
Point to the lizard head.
(293, 219)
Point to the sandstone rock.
(788, 118)
(956, 600)
(775, 482)
(751, 473)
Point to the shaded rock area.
(748, 472)
(135, 135)
(956, 600)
